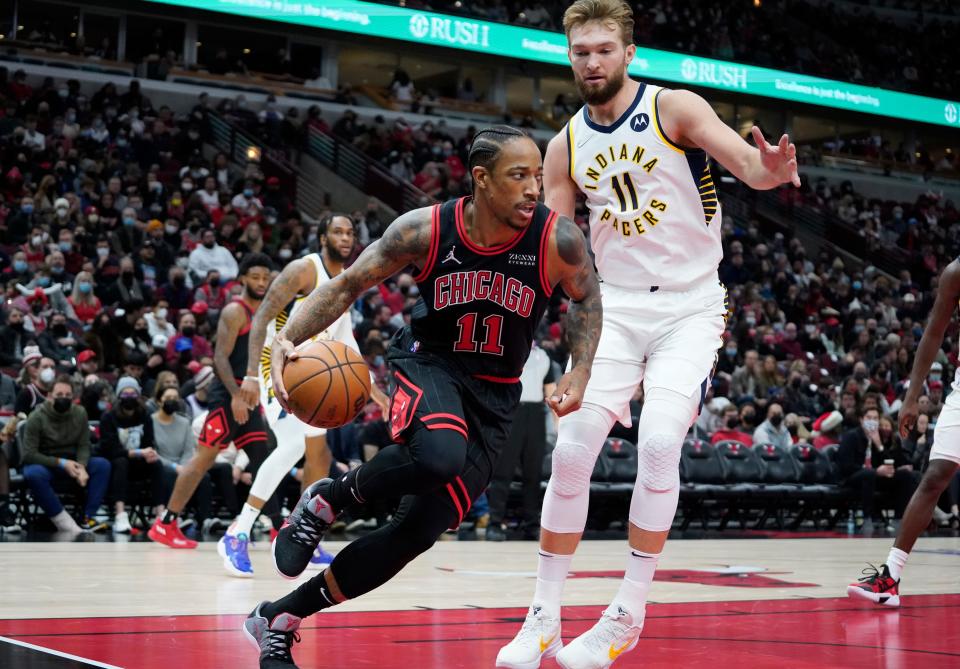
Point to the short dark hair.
(328, 219)
(252, 260)
(489, 142)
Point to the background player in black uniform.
(487, 266)
(230, 418)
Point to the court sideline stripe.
(58, 653)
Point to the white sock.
(552, 572)
(65, 522)
(896, 561)
(632, 595)
(244, 522)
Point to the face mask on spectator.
(36, 240)
(62, 213)
(47, 376)
(285, 254)
(156, 186)
(886, 434)
(378, 361)
(732, 422)
(189, 331)
(71, 117)
(859, 376)
(857, 329)
(210, 243)
(20, 266)
(776, 420)
(60, 329)
(857, 285)
(186, 186)
(810, 329)
(751, 321)
(171, 229)
(129, 222)
(170, 407)
(65, 246)
(128, 402)
(934, 376)
(43, 281)
(102, 405)
(175, 201)
(748, 418)
(36, 307)
(179, 281)
(103, 251)
(17, 326)
(85, 287)
(62, 404)
(214, 281)
(871, 425)
(731, 352)
(248, 192)
(27, 209)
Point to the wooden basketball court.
(771, 602)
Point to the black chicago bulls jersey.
(481, 305)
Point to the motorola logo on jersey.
(639, 122)
(463, 287)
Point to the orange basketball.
(328, 384)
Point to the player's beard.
(335, 254)
(604, 94)
(252, 295)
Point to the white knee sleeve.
(580, 437)
(290, 448)
(664, 422)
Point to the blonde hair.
(615, 14)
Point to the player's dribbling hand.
(241, 412)
(908, 417)
(281, 352)
(568, 395)
(250, 392)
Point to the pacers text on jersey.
(462, 287)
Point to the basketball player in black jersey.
(487, 266)
(230, 418)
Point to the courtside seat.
(621, 461)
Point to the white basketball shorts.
(663, 339)
(946, 433)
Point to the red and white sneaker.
(877, 586)
(169, 534)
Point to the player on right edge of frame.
(640, 155)
(882, 586)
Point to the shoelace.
(605, 632)
(276, 645)
(870, 574)
(307, 530)
(532, 627)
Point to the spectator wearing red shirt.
(187, 343)
(789, 347)
(729, 431)
(85, 304)
(828, 426)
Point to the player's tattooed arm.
(292, 281)
(572, 268)
(405, 242)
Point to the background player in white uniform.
(883, 586)
(640, 155)
(294, 437)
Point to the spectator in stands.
(35, 381)
(402, 90)
(126, 437)
(746, 378)
(210, 256)
(827, 427)
(187, 345)
(14, 338)
(525, 446)
(83, 300)
(176, 443)
(773, 430)
(769, 380)
(730, 428)
(57, 341)
(197, 401)
(247, 203)
(885, 471)
(56, 445)
(127, 291)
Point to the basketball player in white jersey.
(294, 438)
(640, 154)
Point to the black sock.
(341, 492)
(170, 516)
(312, 596)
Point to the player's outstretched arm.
(405, 242)
(690, 120)
(575, 274)
(297, 278)
(948, 292)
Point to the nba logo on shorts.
(414, 347)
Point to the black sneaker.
(303, 531)
(272, 638)
(495, 532)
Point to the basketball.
(328, 384)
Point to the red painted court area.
(925, 632)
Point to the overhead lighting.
(199, 43)
(246, 51)
(73, 34)
(756, 3)
(253, 154)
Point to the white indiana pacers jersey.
(341, 329)
(654, 213)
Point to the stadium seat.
(702, 477)
(744, 474)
